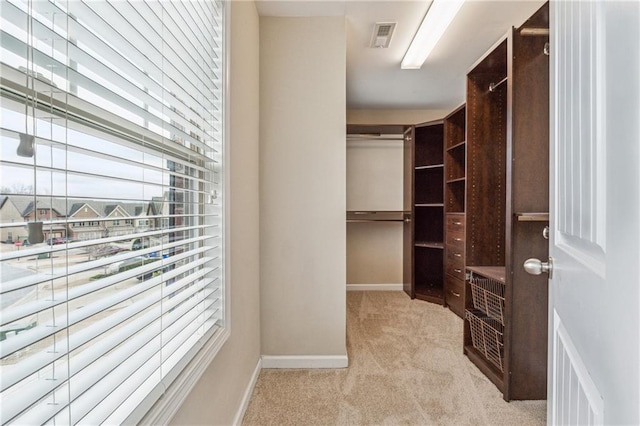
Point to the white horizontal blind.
(112, 144)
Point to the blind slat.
(112, 129)
(158, 233)
(22, 311)
(118, 360)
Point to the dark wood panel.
(530, 139)
(528, 186)
(428, 186)
(429, 139)
(486, 161)
(429, 224)
(407, 229)
(526, 307)
(454, 127)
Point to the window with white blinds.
(111, 203)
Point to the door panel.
(594, 292)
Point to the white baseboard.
(374, 287)
(247, 394)
(305, 361)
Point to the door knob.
(535, 267)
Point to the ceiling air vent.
(382, 33)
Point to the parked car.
(108, 251)
(57, 240)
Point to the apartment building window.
(109, 107)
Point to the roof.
(68, 206)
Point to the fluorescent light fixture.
(434, 24)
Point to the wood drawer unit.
(454, 262)
(454, 291)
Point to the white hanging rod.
(494, 86)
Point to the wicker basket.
(487, 337)
(488, 296)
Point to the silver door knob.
(535, 267)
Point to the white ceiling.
(374, 77)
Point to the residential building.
(9, 213)
(88, 229)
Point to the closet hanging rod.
(534, 32)
(494, 86)
(375, 138)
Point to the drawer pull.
(457, 254)
(458, 270)
(454, 293)
(457, 222)
(457, 239)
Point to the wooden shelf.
(429, 293)
(430, 244)
(429, 167)
(497, 273)
(456, 146)
(532, 217)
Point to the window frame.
(160, 407)
(166, 406)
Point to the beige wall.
(302, 186)
(394, 116)
(375, 174)
(374, 253)
(374, 182)
(216, 398)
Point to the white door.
(594, 297)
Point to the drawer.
(454, 295)
(455, 223)
(454, 262)
(455, 240)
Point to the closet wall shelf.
(430, 205)
(375, 216)
(497, 273)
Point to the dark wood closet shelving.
(455, 190)
(506, 210)
(424, 193)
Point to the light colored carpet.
(406, 367)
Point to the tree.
(17, 189)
